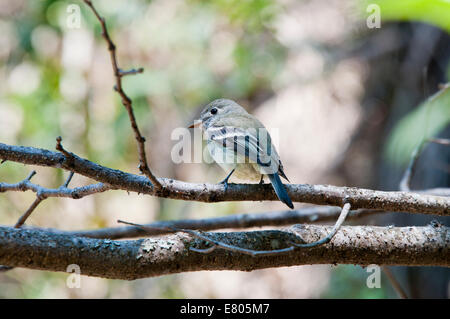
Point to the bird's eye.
(213, 110)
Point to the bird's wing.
(254, 145)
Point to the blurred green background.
(349, 102)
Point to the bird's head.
(217, 110)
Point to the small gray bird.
(240, 144)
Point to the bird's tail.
(280, 190)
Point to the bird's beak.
(196, 124)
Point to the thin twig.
(215, 243)
(60, 148)
(30, 209)
(30, 176)
(63, 191)
(233, 248)
(405, 183)
(344, 212)
(41, 193)
(28, 212)
(251, 252)
(131, 72)
(238, 221)
(69, 178)
(126, 101)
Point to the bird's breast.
(227, 159)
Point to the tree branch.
(41, 193)
(362, 245)
(405, 183)
(63, 191)
(281, 218)
(126, 101)
(313, 194)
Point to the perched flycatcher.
(240, 144)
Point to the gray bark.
(133, 259)
(314, 194)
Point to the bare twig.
(233, 248)
(30, 176)
(41, 193)
(405, 183)
(36, 202)
(239, 221)
(130, 72)
(215, 243)
(343, 215)
(63, 191)
(126, 101)
(28, 212)
(294, 245)
(69, 178)
(60, 148)
(39, 198)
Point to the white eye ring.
(213, 111)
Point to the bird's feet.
(261, 182)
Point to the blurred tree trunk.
(407, 63)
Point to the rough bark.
(314, 194)
(133, 259)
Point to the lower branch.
(133, 259)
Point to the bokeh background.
(349, 102)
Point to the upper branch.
(133, 259)
(126, 101)
(314, 194)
